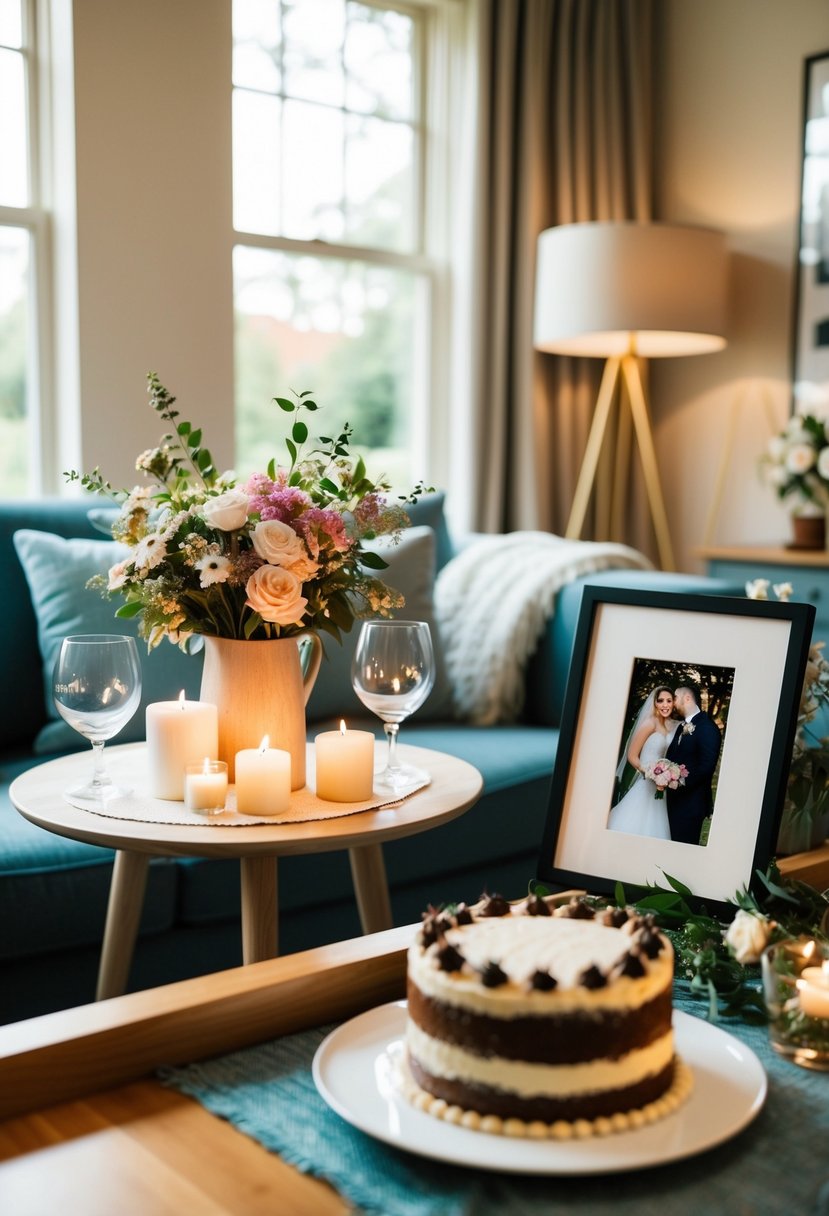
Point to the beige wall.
(153, 214)
(728, 155)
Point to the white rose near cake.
(527, 1020)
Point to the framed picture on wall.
(675, 743)
(811, 310)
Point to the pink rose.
(276, 595)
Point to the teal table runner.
(778, 1166)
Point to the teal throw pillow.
(57, 571)
(411, 570)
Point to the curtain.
(564, 110)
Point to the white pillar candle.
(178, 733)
(345, 765)
(205, 786)
(813, 990)
(263, 780)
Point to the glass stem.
(392, 729)
(99, 774)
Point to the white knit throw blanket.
(492, 602)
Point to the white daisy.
(150, 552)
(213, 569)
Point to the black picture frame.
(810, 315)
(766, 645)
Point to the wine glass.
(392, 672)
(97, 688)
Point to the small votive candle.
(813, 991)
(345, 765)
(205, 786)
(796, 989)
(263, 780)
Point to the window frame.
(34, 219)
(438, 31)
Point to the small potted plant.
(796, 464)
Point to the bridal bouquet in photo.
(285, 551)
(665, 774)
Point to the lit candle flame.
(265, 744)
(181, 699)
(342, 726)
(809, 949)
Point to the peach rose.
(278, 544)
(276, 595)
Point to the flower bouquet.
(665, 774)
(796, 465)
(282, 553)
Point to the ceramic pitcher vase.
(260, 689)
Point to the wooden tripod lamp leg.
(587, 475)
(650, 468)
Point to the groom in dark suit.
(696, 744)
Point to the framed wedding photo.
(676, 736)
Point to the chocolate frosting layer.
(570, 1039)
(488, 1101)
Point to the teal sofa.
(53, 891)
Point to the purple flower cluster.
(323, 529)
(275, 499)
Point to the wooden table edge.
(75, 1052)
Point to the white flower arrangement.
(796, 462)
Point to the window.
(19, 254)
(335, 271)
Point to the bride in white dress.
(640, 812)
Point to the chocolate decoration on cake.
(429, 931)
(631, 966)
(494, 905)
(593, 978)
(492, 976)
(649, 943)
(449, 958)
(615, 917)
(577, 909)
(463, 915)
(542, 981)
(537, 907)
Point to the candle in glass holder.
(178, 733)
(345, 765)
(205, 786)
(263, 780)
(813, 991)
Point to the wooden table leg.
(368, 871)
(260, 909)
(126, 899)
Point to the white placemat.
(305, 806)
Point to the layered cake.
(541, 1015)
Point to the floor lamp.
(624, 292)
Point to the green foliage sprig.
(704, 964)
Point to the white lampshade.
(601, 286)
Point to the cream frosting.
(520, 945)
(526, 1080)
